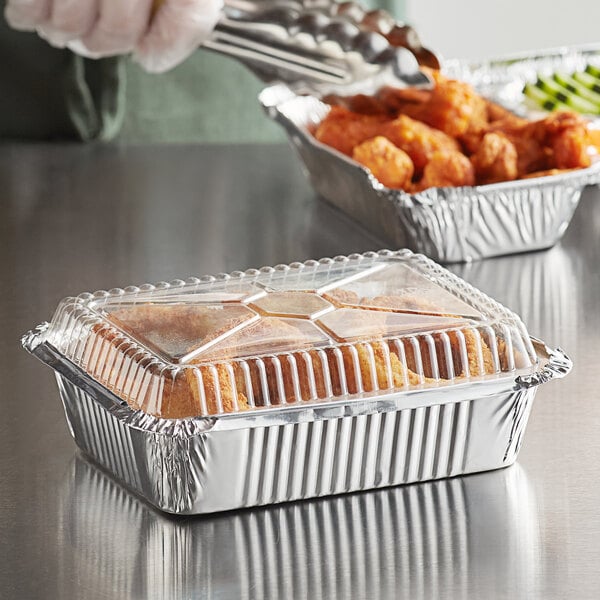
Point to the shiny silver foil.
(210, 464)
(447, 224)
(353, 546)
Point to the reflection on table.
(542, 287)
(425, 540)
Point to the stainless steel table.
(82, 218)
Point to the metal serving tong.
(320, 46)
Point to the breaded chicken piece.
(559, 141)
(570, 148)
(495, 159)
(388, 164)
(531, 152)
(418, 140)
(446, 169)
(343, 129)
(453, 108)
(565, 133)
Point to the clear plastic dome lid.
(315, 331)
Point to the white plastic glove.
(160, 34)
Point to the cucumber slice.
(543, 99)
(563, 95)
(575, 87)
(593, 71)
(586, 80)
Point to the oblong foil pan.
(458, 224)
(209, 464)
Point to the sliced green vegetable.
(593, 71)
(545, 100)
(575, 87)
(588, 81)
(562, 94)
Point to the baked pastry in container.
(175, 385)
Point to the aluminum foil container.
(447, 224)
(461, 405)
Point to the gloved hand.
(159, 33)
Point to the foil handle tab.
(558, 365)
(34, 337)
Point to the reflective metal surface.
(78, 218)
(321, 48)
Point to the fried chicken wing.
(343, 129)
(532, 155)
(447, 169)
(390, 165)
(418, 140)
(453, 108)
(560, 141)
(495, 159)
(570, 148)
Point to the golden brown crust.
(418, 140)
(449, 119)
(495, 159)
(390, 165)
(447, 169)
(343, 129)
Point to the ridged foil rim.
(553, 364)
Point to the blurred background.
(474, 29)
(49, 93)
